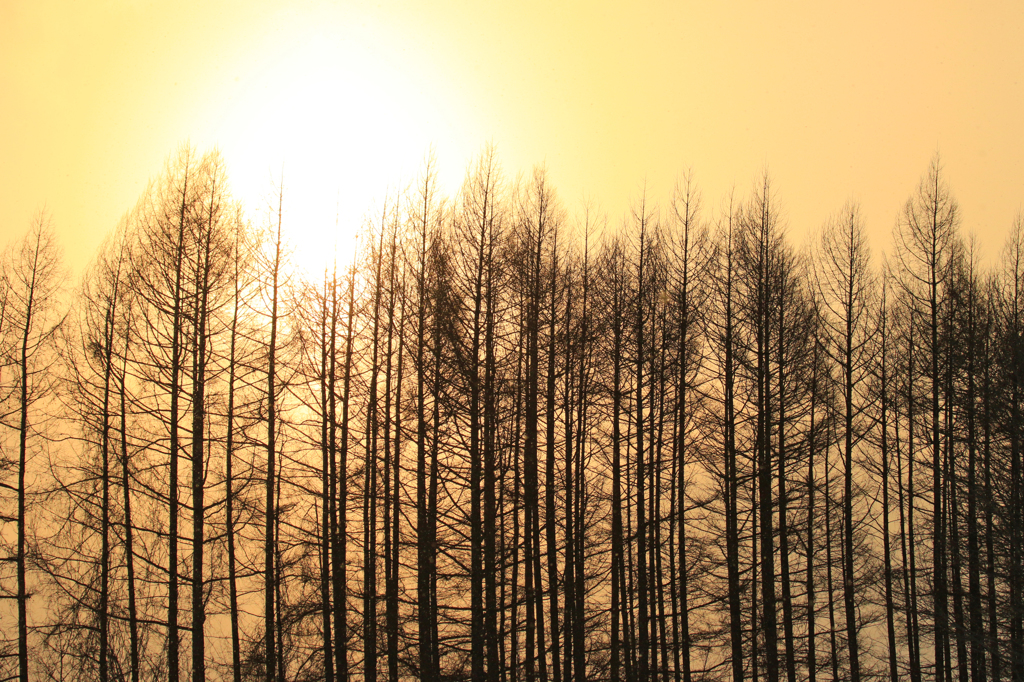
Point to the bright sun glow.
(341, 123)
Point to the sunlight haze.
(346, 99)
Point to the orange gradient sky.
(346, 97)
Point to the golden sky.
(839, 102)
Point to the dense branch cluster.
(504, 443)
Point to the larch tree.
(29, 287)
(846, 286)
(925, 238)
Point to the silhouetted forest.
(506, 442)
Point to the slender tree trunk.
(680, 455)
(732, 541)
(938, 536)
(175, 388)
(812, 486)
(629, 578)
(764, 471)
(678, 568)
(890, 606)
(325, 483)
(659, 638)
(579, 578)
(849, 596)
(341, 547)
(129, 538)
(270, 586)
(491, 568)
(393, 529)
(510, 544)
(787, 597)
(370, 482)
(951, 522)
(618, 586)
(199, 361)
(641, 511)
(676, 579)
(531, 446)
(433, 611)
(757, 654)
(23, 426)
(973, 545)
(915, 636)
(569, 486)
(108, 347)
(517, 459)
(423, 548)
(834, 657)
(579, 643)
(569, 479)
(550, 522)
(990, 556)
(229, 477)
(476, 572)
(279, 580)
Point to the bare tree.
(31, 280)
(846, 286)
(925, 238)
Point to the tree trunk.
(270, 585)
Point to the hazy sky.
(838, 102)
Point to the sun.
(336, 125)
